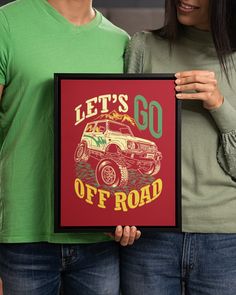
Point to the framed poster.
(117, 152)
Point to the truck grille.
(147, 148)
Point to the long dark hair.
(222, 15)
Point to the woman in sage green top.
(197, 43)
(37, 39)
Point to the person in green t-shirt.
(37, 39)
(198, 43)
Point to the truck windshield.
(116, 127)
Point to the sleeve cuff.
(225, 117)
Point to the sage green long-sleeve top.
(208, 137)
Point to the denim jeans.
(42, 269)
(175, 264)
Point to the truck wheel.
(81, 153)
(111, 173)
(153, 169)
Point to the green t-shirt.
(35, 42)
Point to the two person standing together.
(40, 37)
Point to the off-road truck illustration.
(117, 150)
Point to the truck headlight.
(131, 145)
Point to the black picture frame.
(89, 79)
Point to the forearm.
(1, 91)
(225, 119)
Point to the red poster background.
(75, 211)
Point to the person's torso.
(41, 43)
(208, 193)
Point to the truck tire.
(81, 152)
(111, 172)
(152, 170)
